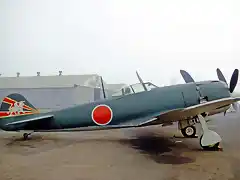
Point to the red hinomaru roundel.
(102, 114)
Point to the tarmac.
(144, 154)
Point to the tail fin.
(16, 105)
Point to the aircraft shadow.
(15, 140)
(154, 146)
(159, 148)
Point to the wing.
(163, 117)
(181, 114)
(30, 119)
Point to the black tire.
(25, 136)
(189, 134)
(215, 147)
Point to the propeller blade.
(141, 81)
(221, 76)
(234, 80)
(186, 76)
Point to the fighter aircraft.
(160, 105)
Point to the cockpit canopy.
(134, 88)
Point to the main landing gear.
(189, 131)
(209, 140)
(187, 128)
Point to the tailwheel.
(189, 131)
(26, 135)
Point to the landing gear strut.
(209, 140)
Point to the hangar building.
(56, 92)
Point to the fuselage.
(134, 106)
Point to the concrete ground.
(145, 153)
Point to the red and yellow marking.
(11, 102)
(4, 114)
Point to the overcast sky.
(116, 38)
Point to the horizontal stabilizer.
(31, 119)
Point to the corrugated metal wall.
(55, 98)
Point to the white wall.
(53, 98)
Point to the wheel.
(25, 136)
(214, 147)
(189, 131)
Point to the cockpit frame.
(134, 88)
